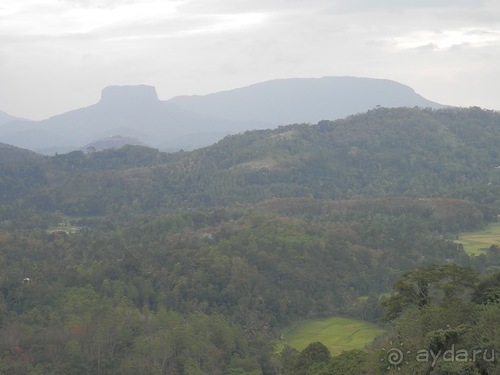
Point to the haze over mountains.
(189, 122)
(5, 118)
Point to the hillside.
(131, 260)
(113, 141)
(192, 122)
(115, 297)
(383, 153)
(21, 171)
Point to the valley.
(136, 261)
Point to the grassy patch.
(337, 334)
(257, 164)
(478, 242)
(64, 226)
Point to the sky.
(57, 55)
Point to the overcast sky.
(57, 55)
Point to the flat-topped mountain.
(190, 122)
(135, 96)
(128, 111)
(304, 100)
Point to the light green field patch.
(337, 334)
(257, 164)
(287, 135)
(64, 226)
(476, 243)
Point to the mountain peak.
(129, 95)
(196, 121)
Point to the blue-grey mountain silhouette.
(189, 122)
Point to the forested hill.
(382, 153)
(133, 261)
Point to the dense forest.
(134, 261)
(405, 152)
(444, 321)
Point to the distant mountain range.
(303, 100)
(5, 118)
(189, 122)
(113, 141)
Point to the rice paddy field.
(476, 243)
(337, 334)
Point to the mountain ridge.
(347, 90)
(398, 152)
(198, 121)
(6, 118)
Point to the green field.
(64, 226)
(476, 243)
(337, 334)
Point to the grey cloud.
(242, 6)
(479, 32)
(400, 5)
(427, 47)
(182, 49)
(98, 3)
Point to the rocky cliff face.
(137, 95)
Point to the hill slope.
(21, 171)
(145, 286)
(384, 153)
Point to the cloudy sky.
(57, 55)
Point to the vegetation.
(478, 242)
(446, 323)
(337, 334)
(249, 272)
(133, 261)
(402, 152)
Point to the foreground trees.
(206, 292)
(445, 325)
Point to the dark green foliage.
(192, 263)
(251, 270)
(309, 360)
(456, 337)
(430, 286)
(488, 291)
(354, 362)
(383, 153)
(21, 173)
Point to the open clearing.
(476, 243)
(64, 226)
(337, 334)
